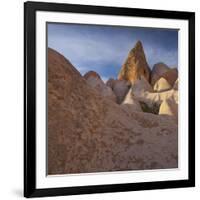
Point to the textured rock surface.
(171, 76)
(175, 87)
(158, 70)
(94, 80)
(130, 102)
(91, 74)
(135, 65)
(150, 98)
(169, 107)
(161, 85)
(141, 85)
(88, 133)
(119, 87)
(110, 83)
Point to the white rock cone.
(161, 85)
(130, 102)
(175, 87)
(169, 107)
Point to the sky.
(105, 48)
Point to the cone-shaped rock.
(119, 87)
(175, 87)
(110, 83)
(171, 76)
(130, 103)
(91, 74)
(135, 65)
(161, 85)
(141, 85)
(94, 80)
(158, 70)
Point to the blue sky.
(104, 48)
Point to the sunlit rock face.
(161, 85)
(169, 107)
(87, 132)
(135, 65)
(119, 87)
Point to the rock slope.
(89, 133)
(135, 65)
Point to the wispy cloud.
(104, 49)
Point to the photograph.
(112, 98)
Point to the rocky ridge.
(88, 132)
(129, 123)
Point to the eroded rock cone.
(94, 80)
(151, 98)
(119, 87)
(158, 70)
(110, 83)
(135, 65)
(169, 107)
(88, 133)
(91, 74)
(161, 85)
(175, 87)
(141, 85)
(171, 76)
(130, 103)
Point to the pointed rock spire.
(135, 65)
(161, 85)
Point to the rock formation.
(150, 98)
(140, 86)
(169, 107)
(89, 133)
(110, 83)
(171, 76)
(161, 85)
(91, 74)
(175, 87)
(94, 80)
(135, 65)
(158, 70)
(130, 102)
(119, 87)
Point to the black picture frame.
(30, 9)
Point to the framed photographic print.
(109, 99)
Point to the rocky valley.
(127, 123)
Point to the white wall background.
(11, 100)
